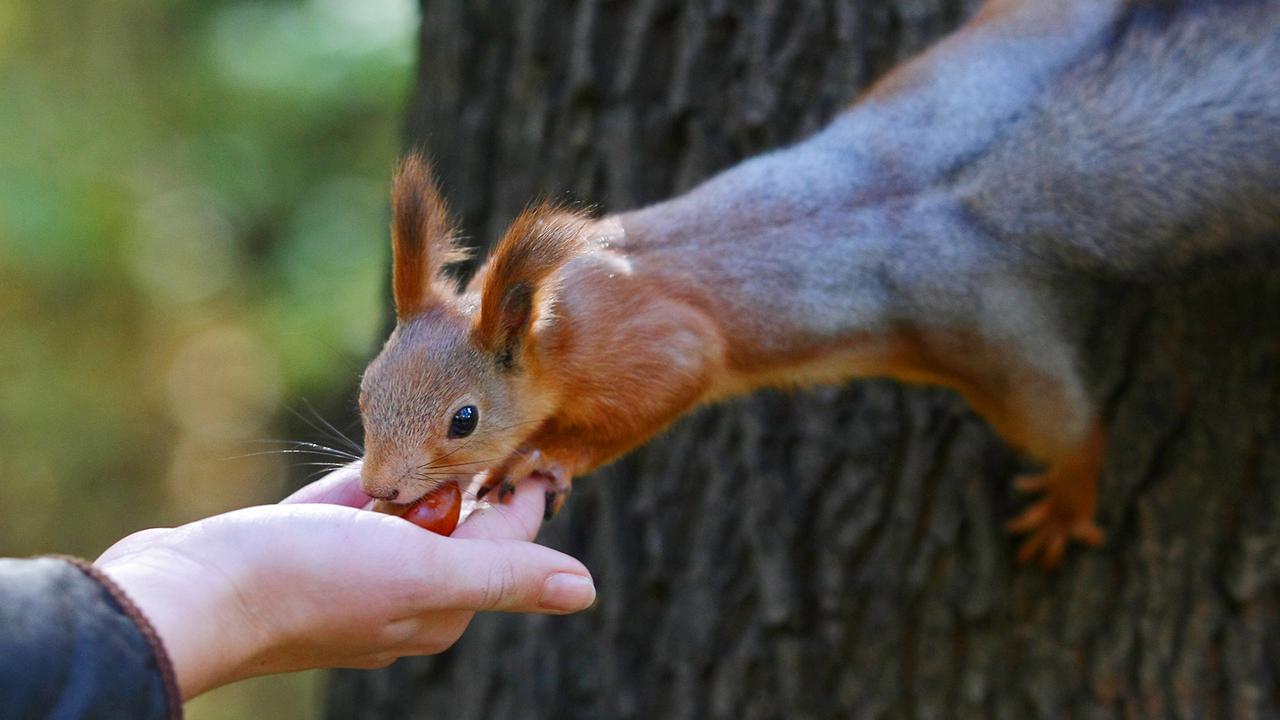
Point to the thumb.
(512, 576)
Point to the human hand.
(316, 582)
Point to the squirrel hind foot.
(1067, 508)
(1050, 527)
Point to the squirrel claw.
(561, 488)
(506, 488)
(555, 503)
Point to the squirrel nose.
(388, 495)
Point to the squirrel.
(943, 229)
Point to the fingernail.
(566, 592)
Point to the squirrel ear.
(515, 282)
(422, 239)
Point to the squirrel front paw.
(522, 464)
(561, 486)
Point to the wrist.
(198, 617)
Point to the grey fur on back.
(1160, 145)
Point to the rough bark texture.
(839, 553)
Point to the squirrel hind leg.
(1067, 506)
(1033, 396)
(1038, 404)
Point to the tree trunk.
(840, 552)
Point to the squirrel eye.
(464, 421)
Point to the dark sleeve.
(72, 645)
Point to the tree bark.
(840, 552)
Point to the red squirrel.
(935, 232)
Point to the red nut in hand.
(437, 511)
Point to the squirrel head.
(459, 384)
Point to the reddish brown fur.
(539, 242)
(422, 238)
(629, 357)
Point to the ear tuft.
(538, 243)
(422, 238)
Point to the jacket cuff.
(163, 663)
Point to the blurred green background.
(192, 247)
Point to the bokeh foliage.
(192, 240)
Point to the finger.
(517, 519)
(340, 487)
(509, 576)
